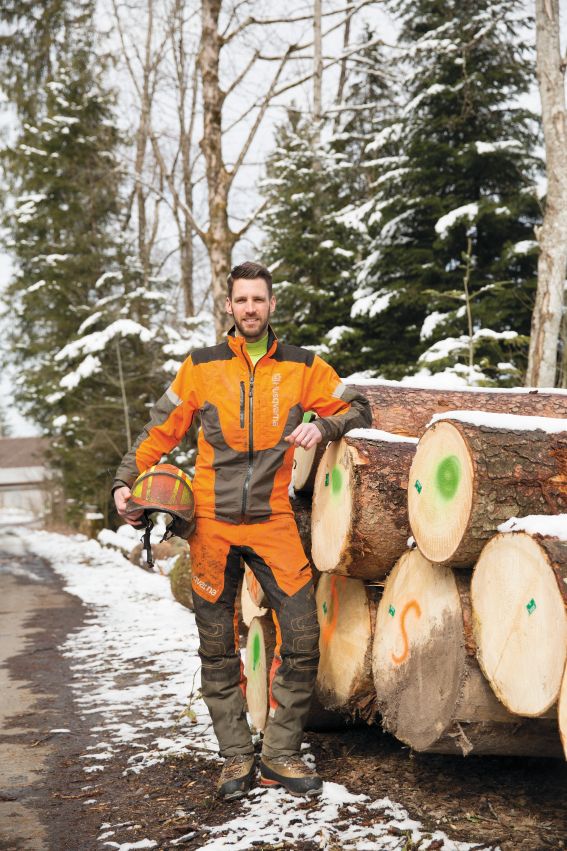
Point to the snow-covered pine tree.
(367, 146)
(312, 254)
(73, 276)
(451, 273)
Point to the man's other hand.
(306, 435)
(121, 497)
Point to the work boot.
(236, 776)
(291, 773)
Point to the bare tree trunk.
(552, 235)
(219, 238)
(186, 128)
(343, 74)
(317, 63)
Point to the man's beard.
(257, 335)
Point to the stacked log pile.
(451, 664)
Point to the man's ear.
(272, 304)
(228, 306)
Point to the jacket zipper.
(242, 397)
(250, 442)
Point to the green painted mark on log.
(531, 606)
(336, 480)
(256, 652)
(326, 480)
(448, 476)
(325, 608)
(418, 486)
(391, 611)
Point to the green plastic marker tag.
(391, 611)
(531, 606)
(326, 480)
(418, 486)
(325, 609)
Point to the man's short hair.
(249, 271)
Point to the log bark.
(562, 713)
(346, 609)
(522, 645)
(466, 479)
(430, 690)
(301, 505)
(359, 520)
(259, 654)
(552, 236)
(408, 410)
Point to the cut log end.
(440, 491)
(346, 611)
(520, 622)
(259, 654)
(332, 513)
(430, 689)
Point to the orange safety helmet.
(168, 489)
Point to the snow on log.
(519, 598)
(346, 610)
(252, 599)
(407, 410)
(259, 655)
(472, 471)
(430, 689)
(359, 520)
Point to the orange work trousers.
(273, 551)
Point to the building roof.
(23, 451)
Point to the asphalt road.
(35, 616)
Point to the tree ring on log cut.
(419, 653)
(346, 613)
(332, 520)
(520, 623)
(259, 654)
(440, 491)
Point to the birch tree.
(552, 236)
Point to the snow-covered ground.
(134, 630)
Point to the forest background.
(385, 159)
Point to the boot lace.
(233, 767)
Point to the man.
(251, 393)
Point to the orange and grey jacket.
(244, 464)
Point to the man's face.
(251, 307)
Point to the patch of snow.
(467, 212)
(431, 322)
(524, 246)
(426, 380)
(369, 303)
(337, 819)
(550, 526)
(494, 147)
(378, 434)
(98, 341)
(511, 422)
(335, 334)
(86, 368)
